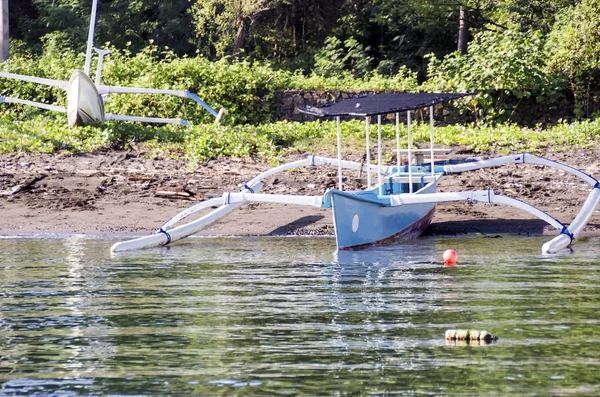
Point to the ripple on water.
(289, 316)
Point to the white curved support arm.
(523, 158)
(107, 90)
(204, 205)
(477, 196)
(244, 197)
(530, 158)
(564, 239)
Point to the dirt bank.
(128, 193)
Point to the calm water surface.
(286, 316)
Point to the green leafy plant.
(573, 48)
(337, 57)
(504, 68)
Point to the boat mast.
(90, 42)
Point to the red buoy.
(450, 257)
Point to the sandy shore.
(126, 193)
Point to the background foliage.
(238, 53)
(539, 50)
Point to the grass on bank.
(47, 133)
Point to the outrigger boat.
(402, 201)
(85, 98)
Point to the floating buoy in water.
(450, 257)
(470, 335)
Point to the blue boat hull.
(361, 222)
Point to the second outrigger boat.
(402, 201)
(85, 98)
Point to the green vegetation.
(272, 140)
(238, 55)
(504, 68)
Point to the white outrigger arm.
(169, 233)
(38, 80)
(104, 90)
(567, 234)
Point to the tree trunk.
(463, 31)
(4, 44)
(240, 37)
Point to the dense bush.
(244, 89)
(574, 50)
(247, 90)
(503, 68)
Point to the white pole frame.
(431, 139)
(339, 152)
(368, 143)
(90, 43)
(410, 181)
(398, 142)
(379, 181)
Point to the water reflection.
(288, 316)
(82, 282)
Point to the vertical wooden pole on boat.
(339, 145)
(368, 133)
(398, 142)
(410, 184)
(90, 43)
(379, 155)
(431, 139)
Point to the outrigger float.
(402, 201)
